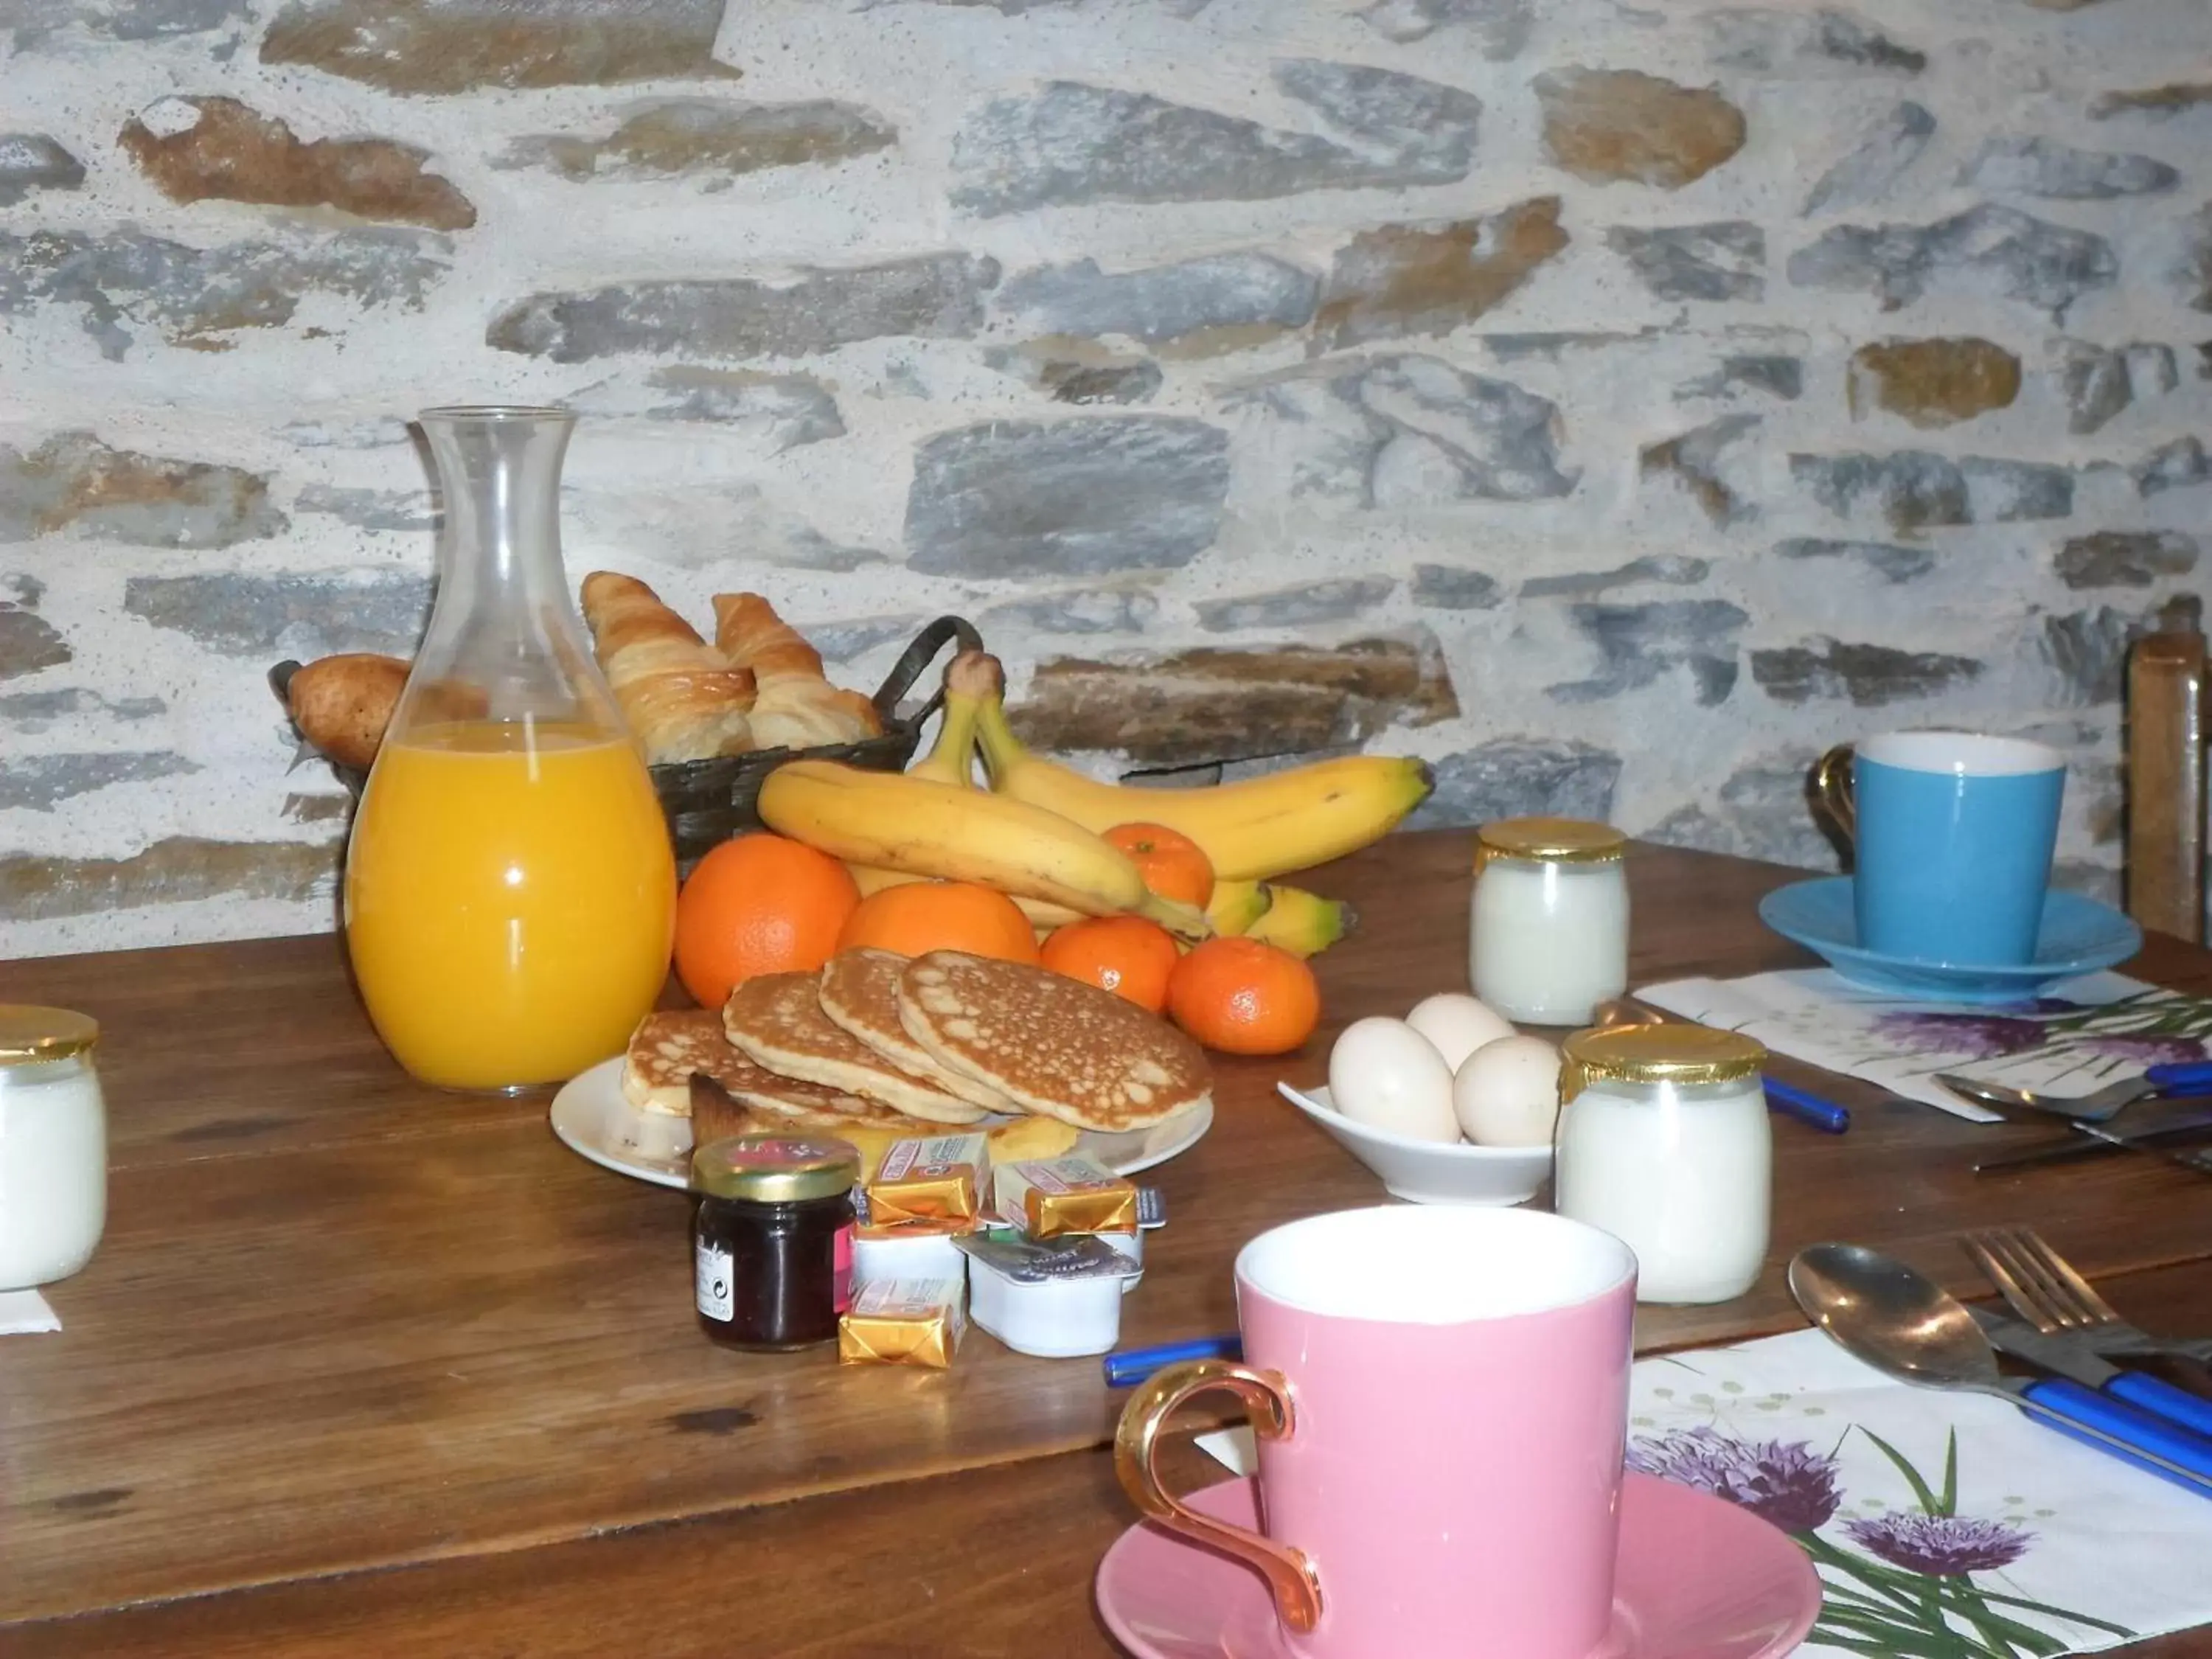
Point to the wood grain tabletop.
(361, 1367)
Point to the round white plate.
(594, 1122)
(1429, 1171)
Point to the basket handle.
(280, 682)
(917, 657)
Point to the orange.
(1244, 998)
(918, 916)
(758, 904)
(1126, 955)
(1175, 865)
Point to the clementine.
(1126, 955)
(919, 916)
(758, 904)
(1174, 865)
(1242, 997)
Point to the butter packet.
(930, 1178)
(903, 1322)
(1024, 1260)
(1073, 1194)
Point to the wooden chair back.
(2165, 775)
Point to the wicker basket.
(708, 801)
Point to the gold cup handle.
(1832, 781)
(1267, 1400)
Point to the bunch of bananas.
(1037, 834)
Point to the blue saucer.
(2078, 936)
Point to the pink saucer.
(1698, 1579)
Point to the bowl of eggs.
(1448, 1105)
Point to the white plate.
(1430, 1171)
(594, 1121)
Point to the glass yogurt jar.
(53, 1145)
(1663, 1142)
(1547, 936)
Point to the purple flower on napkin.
(1784, 1483)
(2145, 1049)
(1940, 1546)
(1978, 1037)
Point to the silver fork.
(2043, 1288)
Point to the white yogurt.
(1682, 1176)
(53, 1169)
(1548, 940)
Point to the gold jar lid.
(1551, 840)
(30, 1034)
(775, 1169)
(1683, 1054)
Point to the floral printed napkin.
(1943, 1526)
(2090, 1031)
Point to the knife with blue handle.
(2073, 1359)
(2150, 1443)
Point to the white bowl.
(1429, 1171)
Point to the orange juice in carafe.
(510, 898)
(510, 892)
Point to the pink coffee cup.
(1440, 1397)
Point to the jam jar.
(772, 1239)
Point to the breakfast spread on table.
(947, 1007)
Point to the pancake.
(1054, 1045)
(776, 1020)
(668, 1048)
(859, 990)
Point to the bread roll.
(797, 708)
(342, 704)
(682, 698)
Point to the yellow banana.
(920, 827)
(970, 679)
(1236, 905)
(870, 879)
(1252, 829)
(1300, 922)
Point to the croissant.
(797, 708)
(682, 699)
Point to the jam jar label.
(712, 1282)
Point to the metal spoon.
(1909, 1328)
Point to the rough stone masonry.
(1615, 404)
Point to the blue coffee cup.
(1954, 832)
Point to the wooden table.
(364, 1368)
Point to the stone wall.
(1614, 403)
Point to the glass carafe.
(510, 891)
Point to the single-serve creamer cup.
(1440, 1399)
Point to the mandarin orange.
(920, 916)
(758, 904)
(1126, 955)
(1242, 997)
(1175, 866)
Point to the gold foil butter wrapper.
(865, 1224)
(1052, 1197)
(903, 1322)
(932, 1178)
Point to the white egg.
(1385, 1074)
(1506, 1093)
(1457, 1024)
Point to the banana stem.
(1002, 750)
(951, 758)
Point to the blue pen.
(1133, 1365)
(1823, 1115)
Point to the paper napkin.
(24, 1313)
(2087, 1032)
(2043, 1535)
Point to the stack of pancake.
(877, 1047)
